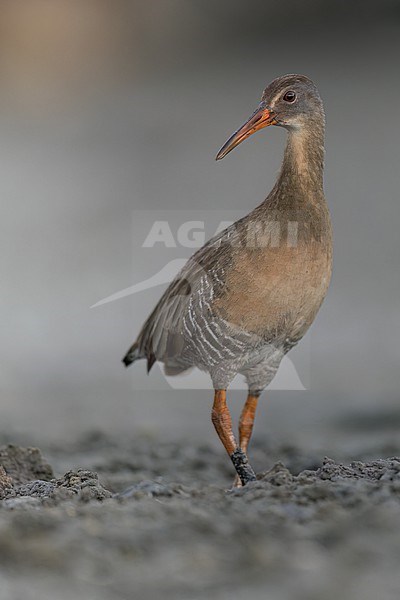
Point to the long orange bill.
(261, 118)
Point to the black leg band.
(242, 466)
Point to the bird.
(248, 296)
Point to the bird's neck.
(303, 163)
(297, 200)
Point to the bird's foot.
(243, 468)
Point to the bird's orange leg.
(246, 423)
(222, 422)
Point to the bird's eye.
(289, 96)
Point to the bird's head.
(291, 101)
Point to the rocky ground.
(109, 518)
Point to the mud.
(104, 518)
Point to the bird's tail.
(132, 355)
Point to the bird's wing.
(187, 298)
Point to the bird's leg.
(222, 422)
(246, 420)
(246, 423)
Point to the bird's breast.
(275, 287)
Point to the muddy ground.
(120, 518)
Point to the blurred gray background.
(111, 107)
